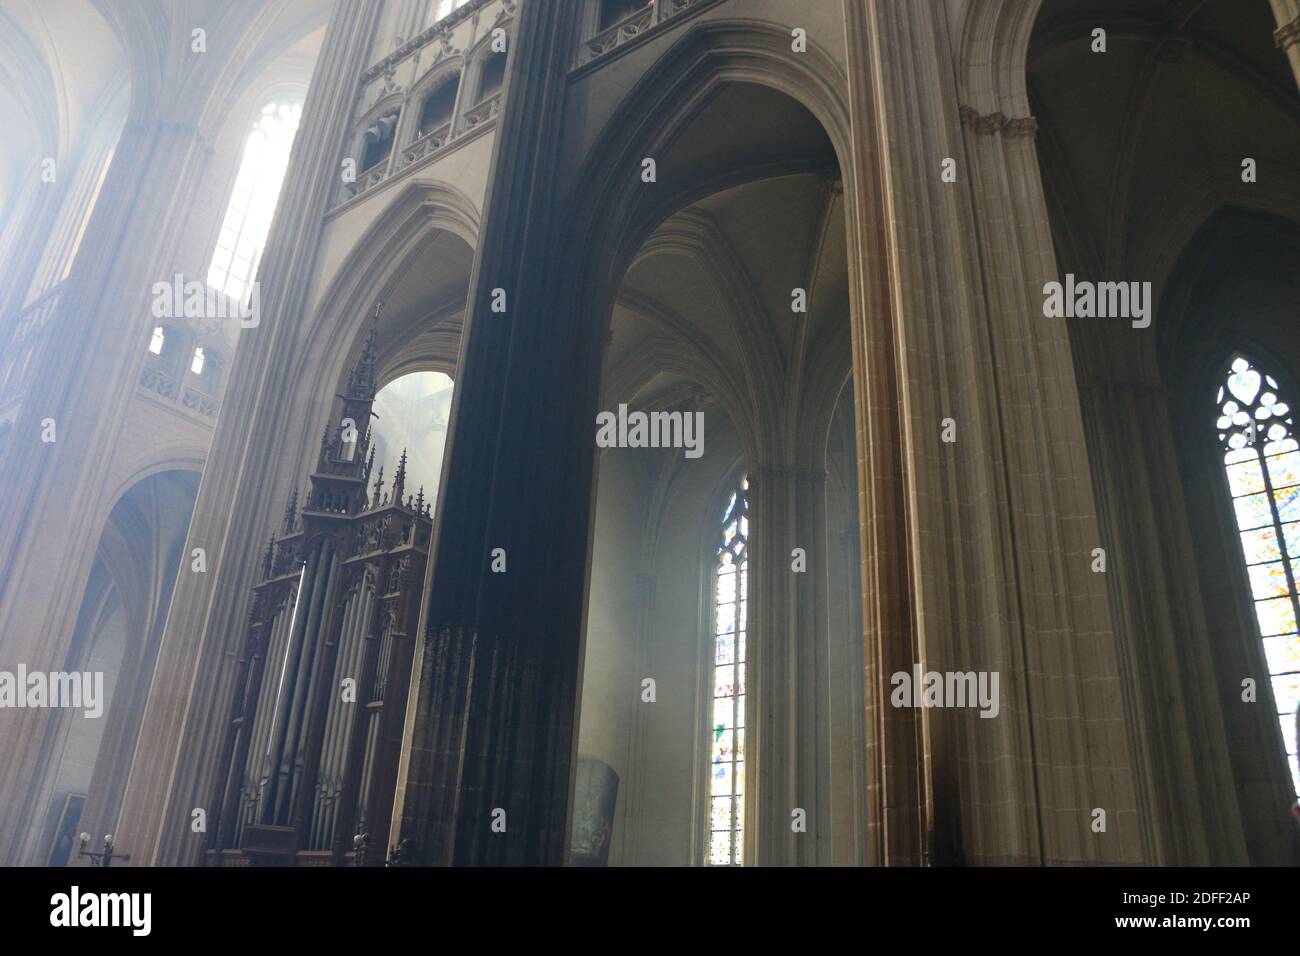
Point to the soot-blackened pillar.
(489, 742)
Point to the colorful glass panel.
(1262, 464)
(726, 734)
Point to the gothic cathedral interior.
(402, 401)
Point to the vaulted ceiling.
(1141, 143)
(60, 65)
(705, 308)
(1141, 147)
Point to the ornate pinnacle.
(291, 512)
(361, 383)
(399, 481)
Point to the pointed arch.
(373, 266)
(994, 44)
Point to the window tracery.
(726, 733)
(1261, 459)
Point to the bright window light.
(252, 202)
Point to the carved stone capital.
(1010, 127)
(1023, 126)
(1287, 35)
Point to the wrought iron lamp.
(103, 858)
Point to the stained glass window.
(726, 733)
(1256, 430)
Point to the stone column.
(849, 778)
(1001, 520)
(895, 818)
(492, 742)
(180, 737)
(1176, 727)
(772, 738)
(627, 845)
(809, 637)
(56, 503)
(1287, 37)
(788, 751)
(1159, 637)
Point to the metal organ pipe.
(339, 720)
(307, 599)
(308, 674)
(257, 769)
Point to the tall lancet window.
(252, 202)
(1256, 429)
(442, 8)
(726, 735)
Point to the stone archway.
(283, 435)
(520, 476)
(705, 318)
(127, 598)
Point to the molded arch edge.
(1188, 255)
(377, 261)
(181, 459)
(666, 98)
(994, 47)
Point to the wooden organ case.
(308, 763)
